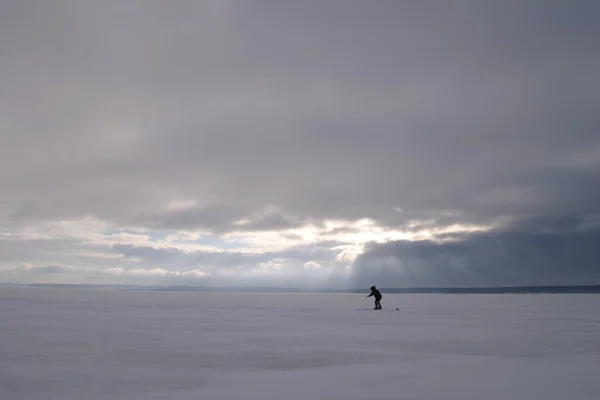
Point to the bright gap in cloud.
(95, 247)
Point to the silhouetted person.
(378, 296)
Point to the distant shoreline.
(587, 289)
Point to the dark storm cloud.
(556, 224)
(548, 251)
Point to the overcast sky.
(300, 143)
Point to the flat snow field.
(73, 344)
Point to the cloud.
(245, 127)
(497, 258)
(153, 272)
(47, 269)
(311, 265)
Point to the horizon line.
(391, 290)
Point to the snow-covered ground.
(111, 344)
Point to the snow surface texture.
(110, 344)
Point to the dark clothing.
(377, 305)
(377, 294)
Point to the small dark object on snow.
(378, 297)
(397, 309)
